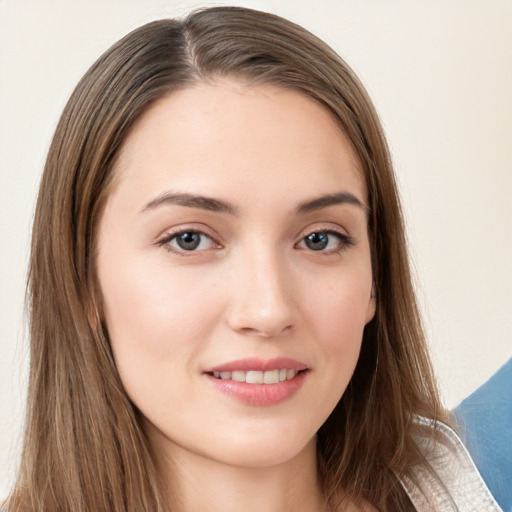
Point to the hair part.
(84, 448)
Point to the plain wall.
(440, 73)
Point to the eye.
(326, 241)
(188, 241)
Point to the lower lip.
(259, 394)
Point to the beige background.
(440, 72)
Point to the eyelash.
(345, 241)
(166, 241)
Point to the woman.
(222, 314)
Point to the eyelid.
(169, 234)
(323, 227)
(345, 239)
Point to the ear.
(372, 305)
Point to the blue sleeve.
(485, 420)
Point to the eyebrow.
(331, 200)
(191, 201)
(220, 206)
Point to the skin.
(252, 288)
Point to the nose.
(261, 297)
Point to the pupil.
(317, 241)
(189, 241)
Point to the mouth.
(259, 382)
(257, 376)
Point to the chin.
(263, 450)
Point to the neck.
(196, 483)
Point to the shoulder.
(451, 481)
(485, 422)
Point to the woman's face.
(234, 264)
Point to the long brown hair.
(84, 449)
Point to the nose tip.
(262, 306)
(262, 327)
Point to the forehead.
(225, 130)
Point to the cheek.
(156, 323)
(341, 304)
(339, 313)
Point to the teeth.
(254, 378)
(271, 377)
(257, 377)
(238, 376)
(290, 374)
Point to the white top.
(459, 486)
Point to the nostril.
(266, 332)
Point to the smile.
(258, 377)
(258, 382)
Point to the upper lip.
(257, 364)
